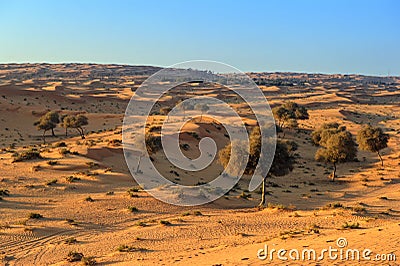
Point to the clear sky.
(326, 36)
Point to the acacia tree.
(281, 165)
(337, 145)
(289, 113)
(202, 108)
(184, 106)
(372, 139)
(78, 123)
(74, 121)
(47, 122)
(67, 122)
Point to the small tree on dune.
(202, 108)
(288, 114)
(337, 146)
(74, 121)
(67, 122)
(372, 139)
(47, 122)
(54, 118)
(78, 123)
(281, 165)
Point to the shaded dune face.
(79, 196)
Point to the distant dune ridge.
(72, 197)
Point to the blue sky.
(306, 36)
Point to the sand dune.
(83, 194)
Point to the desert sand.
(90, 203)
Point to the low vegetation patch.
(89, 261)
(126, 248)
(351, 226)
(89, 199)
(164, 222)
(74, 256)
(51, 182)
(71, 240)
(71, 179)
(52, 162)
(4, 192)
(27, 155)
(34, 215)
(133, 209)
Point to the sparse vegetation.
(34, 215)
(71, 179)
(71, 240)
(164, 222)
(89, 199)
(51, 182)
(372, 139)
(4, 192)
(288, 114)
(74, 121)
(27, 155)
(127, 248)
(133, 209)
(337, 145)
(351, 225)
(47, 122)
(74, 256)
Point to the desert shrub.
(92, 164)
(194, 135)
(34, 215)
(27, 155)
(133, 209)
(4, 192)
(89, 199)
(71, 179)
(335, 205)
(164, 222)
(197, 213)
(71, 240)
(142, 224)
(89, 261)
(51, 182)
(156, 129)
(245, 195)
(153, 143)
(351, 226)
(74, 256)
(64, 151)
(52, 162)
(133, 189)
(115, 142)
(277, 206)
(60, 144)
(185, 146)
(126, 248)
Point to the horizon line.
(159, 66)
